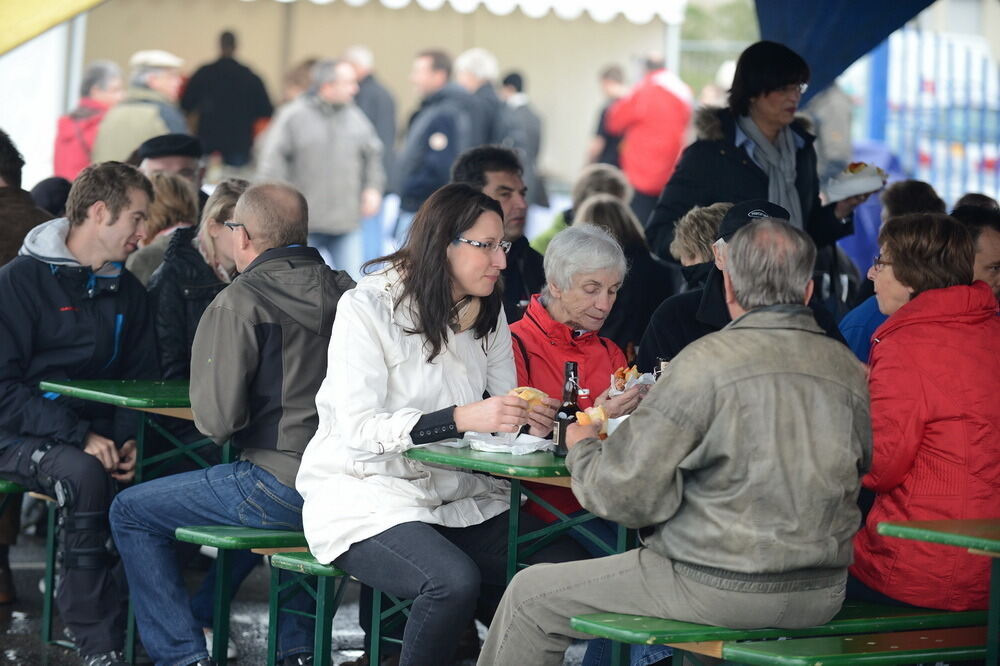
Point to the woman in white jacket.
(414, 349)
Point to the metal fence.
(942, 115)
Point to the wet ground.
(20, 623)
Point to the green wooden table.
(537, 467)
(167, 398)
(981, 537)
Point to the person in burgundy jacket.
(652, 120)
(101, 89)
(935, 377)
(584, 267)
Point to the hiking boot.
(113, 658)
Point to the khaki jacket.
(745, 459)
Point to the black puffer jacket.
(713, 169)
(181, 288)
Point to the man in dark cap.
(178, 154)
(685, 317)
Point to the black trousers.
(91, 595)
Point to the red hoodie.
(541, 348)
(935, 379)
(653, 119)
(75, 138)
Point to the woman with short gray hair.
(584, 267)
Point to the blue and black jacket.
(60, 320)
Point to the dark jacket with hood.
(439, 131)
(180, 290)
(523, 278)
(259, 357)
(648, 282)
(714, 169)
(684, 318)
(61, 320)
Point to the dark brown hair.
(928, 251)
(762, 68)
(423, 263)
(108, 182)
(911, 196)
(440, 61)
(11, 162)
(978, 200)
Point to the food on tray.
(857, 178)
(623, 375)
(530, 395)
(594, 416)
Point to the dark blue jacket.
(60, 321)
(858, 326)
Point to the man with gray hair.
(149, 108)
(742, 466)
(375, 101)
(102, 87)
(251, 386)
(324, 145)
(476, 70)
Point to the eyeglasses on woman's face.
(489, 246)
(878, 263)
(793, 88)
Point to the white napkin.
(521, 445)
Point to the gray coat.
(745, 459)
(259, 357)
(330, 153)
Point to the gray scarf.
(778, 161)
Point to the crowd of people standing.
(756, 467)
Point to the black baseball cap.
(746, 212)
(170, 145)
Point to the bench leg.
(993, 618)
(273, 601)
(326, 606)
(220, 616)
(375, 646)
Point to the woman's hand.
(620, 405)
(542, 418)
(847, 206)
(502, 413)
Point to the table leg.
(220, 619)
(993, 619)
(140, 445)
(513, 527)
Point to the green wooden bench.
(854, 618)
(9, 489)
(228, 538)
(902, 647)
(388, 611)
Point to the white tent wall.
(560, 59)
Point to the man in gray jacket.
(742, 465)
(325, 146)
(258, 358)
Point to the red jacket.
(653, 119)
(935, 382)
(541, 348)
(75, 138)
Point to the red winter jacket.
(541, 348)
(75, 138)
(935, 382)
(652, 119)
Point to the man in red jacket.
(652, 119)
(101, 89)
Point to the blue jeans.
(143, 520)
(343, 252)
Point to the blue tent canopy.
(832, 34)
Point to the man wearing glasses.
(258, 358)
(496, 172)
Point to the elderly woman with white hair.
(584, 268)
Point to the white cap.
(155, 58)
